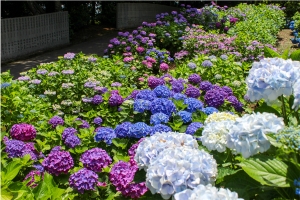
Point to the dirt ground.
(284, 41)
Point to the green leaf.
(295, 55)
(5, 195)
(12, 170)
(222, 172)
(270, 53)
(44, 190)
(265, 108)
(57, 193)
(120, 142)
(285, 54)
(266, 170)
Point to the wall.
(131, 15)
(26, 35)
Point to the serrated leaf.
(295, 55)
(266, 170)
(270, 53)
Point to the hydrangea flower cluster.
(159, 118)
(23, 132)
(193, 127)
(70, 139)
(84, 124)
(192, 92)
(207, 192)
(180, 168)
(177, 86)
(194, 79)
(153, 82)
(95, 159)
(150, 148)
(122, 130)
(58, 162)
(162, 91)
(193, 104)
(115, 99)
(33, 183)
(214, 98)
(55, 121)
(272, 77)
(185, 116)
(105, 134)
(209, 110)
(296, 89)
(97, 99)
(163, 105)
(248, 134)
(220, 116)
(18, 148)
(139, 130)
(98, 121)
(146, 95)
(83, 180)
(141, 105)
(290, 137)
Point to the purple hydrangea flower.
(238, 106)
(163, 105)
(224, 57)
(121, 175)
(214, 98)
(72, 141)
(162, 91)
(193, 104)
(116, 84)
(135, 190)
(159, 118)
(68, 132)
(14, 148)
(55, 121)
(193, 127)
(70, 71)
(194, 79)
(24, 78)
(177, 86)
(98, 121)
(122, 129)
(139, 130)
(101, 90)
(31, 175)
(95, 159)
(185, 116)
(84, 124)
(141, 105)
(192, 91)
(58, 162)
(41, 71)
(163, 66)
(39, 167)
(97, 99)
(92, 59)
(90, 84)
(36, 81)
(23, 132)
(83, 180)
(69, 56)
(227, 90)
(105, 134)
(115, 99)
(205, 86)
(153, 82)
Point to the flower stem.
(283, 110)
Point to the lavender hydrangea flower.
(95, 159)
(177, 86)
(70, 71)
(224, 57)
(207, 63)
(68, 132)
(139, 130)
(159, 118)
(36, 81)
(141, 105)
(192, 91)
(185, 116)
(116, 84)
(193, 104)
(23, 132)
(53, 73)
(163, 105)
(98, 121)
(87, 100)
(193, 127)
(194, 79)
(122, 129)
(90, 84)
(296, 88)
(101, 90)
(58, 162)
(105, 134)
(97, 99)
(192, 65)
(83, 180)
(214, 98)
(69, 56)
(41, 71)
(24, 78)
(55, 121)
(162, 91)
(92, 59)
(14, 148)
(31, 175)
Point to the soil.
(284, 41)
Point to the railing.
(27, 35)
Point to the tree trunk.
(57, 4)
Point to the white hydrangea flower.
(214, 135)
(248, 134)
(296, 89)
(150, 148)
(220, 116)
(271, 77)
(206, 192)
(180, 168)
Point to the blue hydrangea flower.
(162, 91)
(105, 134)
(159, 128)
(5, 85)
(146, 95)
(122, 130)
(141, 105)
(193, 104)
(163, 105)
(159, 118)
(185, 116)
(179, 96)
(193, 127)
(139, 130)
(209, 110)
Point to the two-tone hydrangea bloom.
(177, 86)
(139, 130)
(193, 104)
(163, 105)
(248, 134)
(159, 118)
(271, 77)
(83, 180)
(162, 91)
(220, 116)
(180, 168)
(209, 110)
(95, 159)
(122, 130)
(208, 192)
(214, 135)
(105, 134)
(146, 95)
(23, 132)
(193, 127)
(141, 105)
(194, 79)
(31, 175)
(214, 98)
(185, 116)
(55, 121)
(58, 162)
(150, 148)
(98, 121)
(192, 92)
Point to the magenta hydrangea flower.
(163, 66)
(95, 159)
(23, 132)
(33, 183)
(140, 49)
(58, 162)
(55, 121)
(83, 180)
(121, 175)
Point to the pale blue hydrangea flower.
(150, 148)
(296, 89)
(180, 168)
(248, 134)
(271, 77)
(206, 192)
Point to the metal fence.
(131, 15)
(27, 35)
